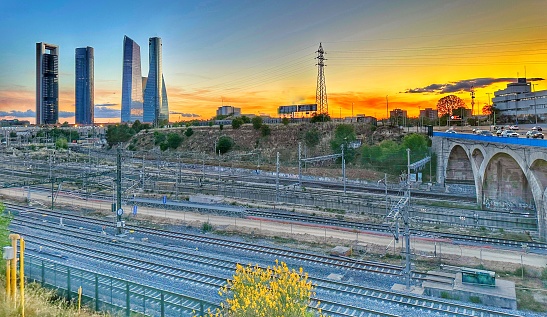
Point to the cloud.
(462, 85)
(106, 105)
(18, 114)
(186, 115)
(106, 112)
(66, 114)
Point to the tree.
(265, 130)
(320, 117)
(487, 109)
(285, 121)
(245, 119)
(189, 132)
(224, 144)
(137, 126)
(174, 140)
(117, 133)
(257, 122)
(159, 138)
(237, 123)
(343, 135)
(271, 292)
(447, 104)
(61, 143)
(312, 138)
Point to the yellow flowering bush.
(272, 292)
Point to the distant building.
(518, 100)
(84, 86)
(155, 106)
(429, 113)
(47, 83)
(365, 119)
(228, 111)
(14, 122)
(131, 82)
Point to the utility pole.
(387, 109)
(51, 180)
(142, 172)
(406, 221)
(119, 210)
(277, 178)
(343, 168)
(300, 164)
(321, 91)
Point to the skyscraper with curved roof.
(156, 108)
(132, 101)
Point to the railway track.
(325, 286)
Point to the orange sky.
(260, 58)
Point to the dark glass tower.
(131, 82)
(84, 85)
(47, 83)
(156, 108)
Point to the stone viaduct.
(506, 174)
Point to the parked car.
(514, 127)
(498, 132)
(537, 128)
(450, 131)
(534, 134)
(509, 134)
(484, 133)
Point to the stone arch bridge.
(505, 173)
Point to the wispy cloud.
(66, 114)
(106, 105)
(462, 85)
(18, 114)
(106, 112)
(186, 115)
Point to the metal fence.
(110, 294)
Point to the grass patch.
(206, 227)
(475, 299)
(40, 302)
(284, 240)
(526, 301)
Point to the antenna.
(321, 92)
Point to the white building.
(228, 111)
(518, 101)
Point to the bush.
(245, 119)
(159, 138)
(224, 144)
(323, 117)
(312, 138)
(174, 140)
(206, 227)
(164, 146)
(274, 291)
(257, 122)
(61, 143)
(265, 130)
(285, 121)
(189, 132)
(237, 123)
(221, 127)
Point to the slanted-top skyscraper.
(85, 86)
(131, 82)
(155, 106)
(47, 83)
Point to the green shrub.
(206, 227)
(189, 132)
(475, 299)
(265, 130)
(224, 144)
(237, 123)
(257, 122)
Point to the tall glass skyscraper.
(131, 82)
(155, 106)
(47, 83)
(85, 87)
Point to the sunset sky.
(259, 55)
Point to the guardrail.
(106, 293)
(493, 139)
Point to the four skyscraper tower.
(152, 108)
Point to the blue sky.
(258, 55)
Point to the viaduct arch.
(506, 174)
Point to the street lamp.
(535, 105)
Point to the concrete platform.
(501, 295)
(413, 289)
